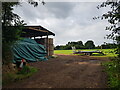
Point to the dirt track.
(66, 72)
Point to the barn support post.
(47, 46)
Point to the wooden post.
(101, 47)
(47, 48)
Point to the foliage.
(113, 17)
(89, 44)
(109, 45)
(62, 47)
(112, 69)
(12, 27)
(25, 70)
(78, 45)
(13, 77)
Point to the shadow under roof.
(35, 31)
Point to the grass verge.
(112, 69)
(11, 77)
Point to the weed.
(113, 74)
(27, 71)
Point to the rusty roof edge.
(41, 29)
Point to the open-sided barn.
(43, 34)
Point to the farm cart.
(88, 52)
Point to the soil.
(66, 71)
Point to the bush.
(112, 69)
(11, 77)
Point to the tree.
(12, 27)
(89, 44)
(80, 43)
(57, 47)
(113, 17)
(109, 46)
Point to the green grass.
(68, 52)
(11, 77)
(107, 52)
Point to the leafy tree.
(80, 43)
(57, 47)
(12, 27)
(72, 43)
(67, 47)
(113, 17)
(89, 44)
(109, 46)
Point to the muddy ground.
(66, 71)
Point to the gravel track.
(66, 71)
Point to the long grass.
(107, 52)
(112, 69)
(11, 77)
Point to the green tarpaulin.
(29, 50)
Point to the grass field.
(107, 52)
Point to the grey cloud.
(57, 10)
(69, 21)
(60, 9)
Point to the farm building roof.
(34, 31)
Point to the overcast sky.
(70, 21)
